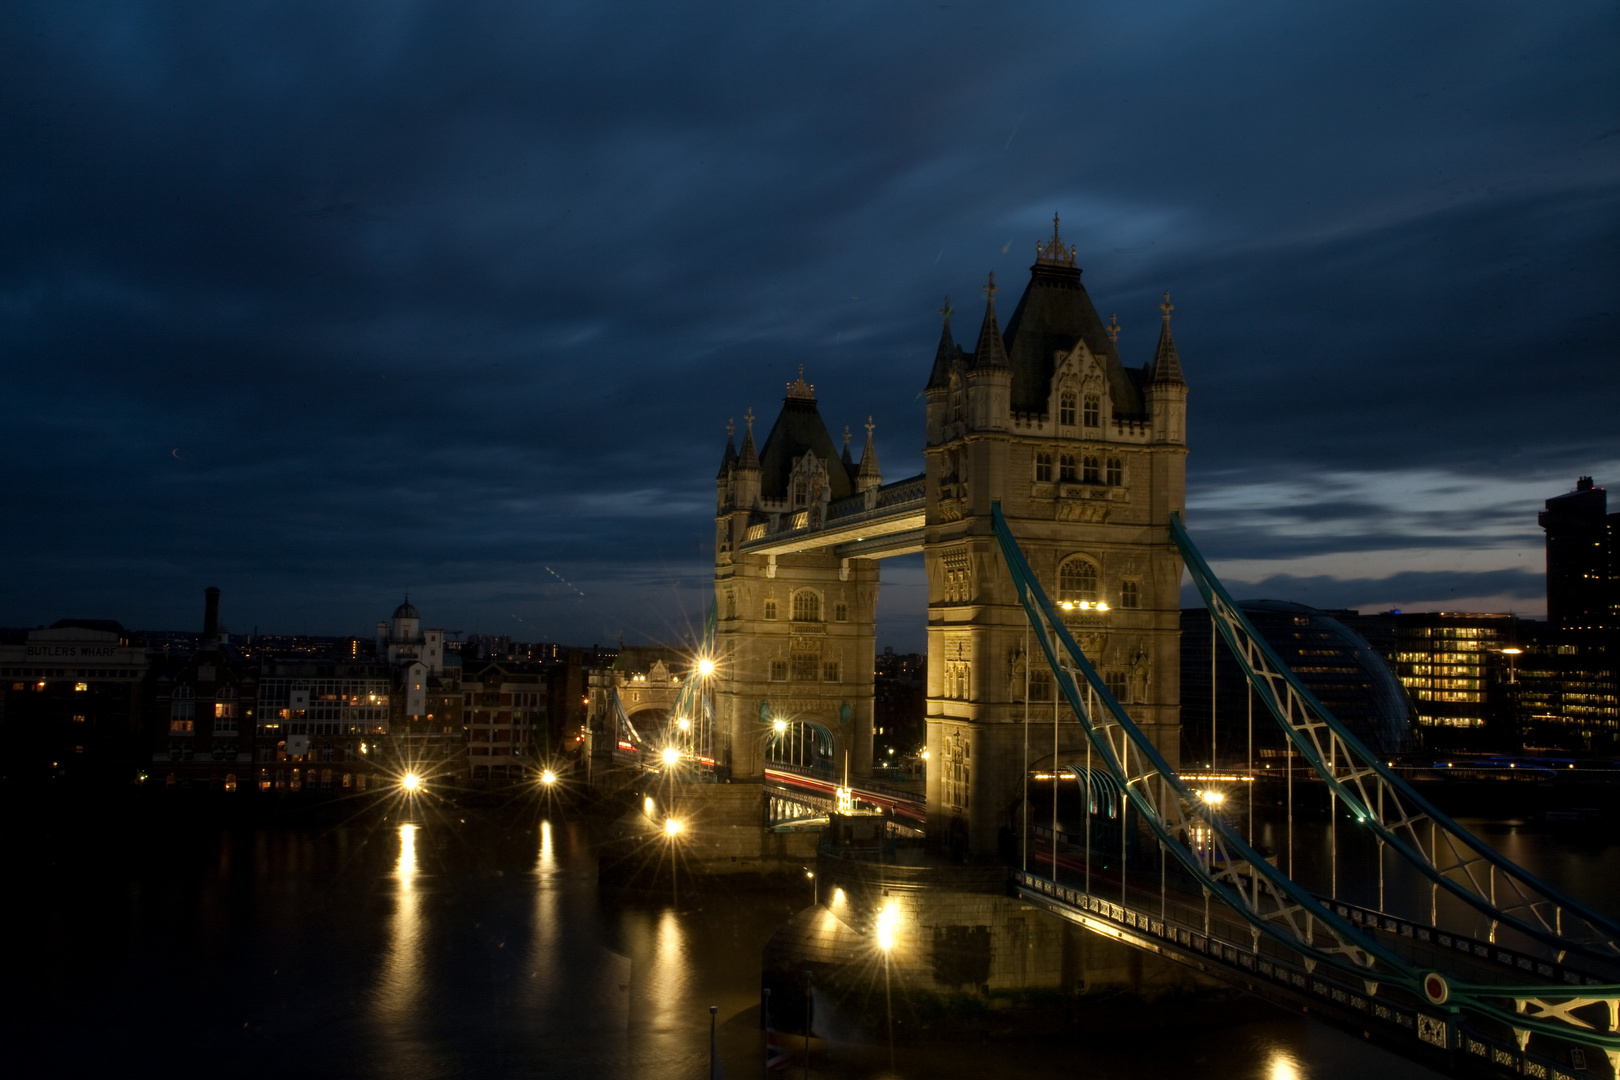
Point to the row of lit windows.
(806, 607)
(1449, 695)
(1086, 469)
(98, 673)
(1451, 721)
(1452, 633)
(806, 667)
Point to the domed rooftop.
(406, 611)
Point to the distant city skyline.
(459, 301)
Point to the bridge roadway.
(823, 794)
(1207, 935)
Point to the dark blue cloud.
(318, 303)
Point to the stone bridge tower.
(1087, 458)
(796, 625)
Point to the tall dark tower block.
(1580, 586)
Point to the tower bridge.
(1049, 516)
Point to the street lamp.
(548, 777)
(411, 783)
(672, 756)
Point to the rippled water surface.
(479, 947)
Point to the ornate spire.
(991, 351)
(1113, 329)
(801, 390)
(846, 459)
(749, 457)
(729, 458)
(1053, 253)
(870, 475)
(1166, 364)
(941, 375)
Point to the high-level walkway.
(885, 521)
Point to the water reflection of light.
(1281, 1065)
(548, 947)
(667, 981)
(401, 984)
(548, 851)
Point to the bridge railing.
(1176, 928)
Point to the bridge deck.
(901, 804)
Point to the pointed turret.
(946, 353)
(1167, 390)
(748, 460)
(849, 462)
(1166, 365)
(745, 471)
(991, 352)
(729, 458)
(870, 475)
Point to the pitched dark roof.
(798, 428)
(106, 626)
(1052, 315)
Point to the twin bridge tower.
(1086, 457)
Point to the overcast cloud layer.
(319, 303)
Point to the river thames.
(481, 945)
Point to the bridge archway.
(803, 743)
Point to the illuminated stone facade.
(1087, 459)
(795, 633)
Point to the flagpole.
(714, 1070)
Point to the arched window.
(1066, 408)
(806, 606)
(1116, 472)
(731, 605)
(1090, 471)
(1093, 410)
(801, 493)
(1043, 468)
(841, 612)
(770, 608)
(1077, 580)
(1066, 470)
(1130, 594)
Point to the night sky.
(320, 303)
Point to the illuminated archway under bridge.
(803, 744)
